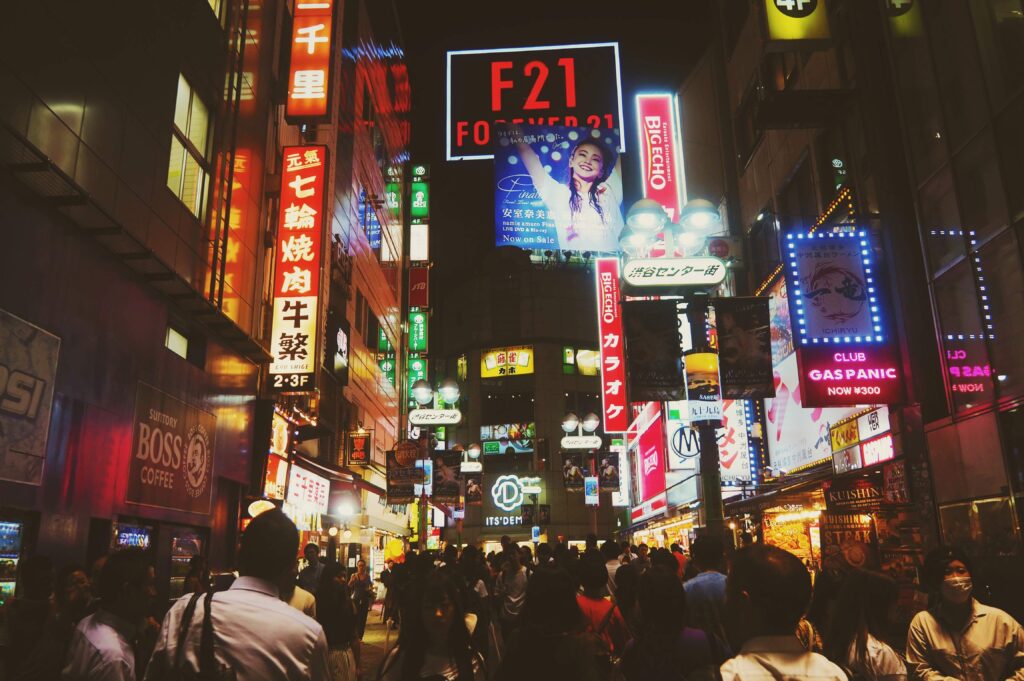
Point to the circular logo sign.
(507, 493)
(198, 461)
(406, 453)
(796, 9)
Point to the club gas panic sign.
(571, 85)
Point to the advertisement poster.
(654, 370)
(401, 479)
(650, 453)
(608, 471)
(733, 446)
(557, 188)
(28, 368)
(835, 292)
(544, 514)
(360, 448)
(508, 438)
(446, 477)
(172, 453)
(744, 347)
(590, 495)
(791, 536)
(848, 541)
(499, 362)
(894, 487)
(573, 472)
(703, 390)
(474, 489)
(276, 479)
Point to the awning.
(790, 485)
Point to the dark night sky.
(659, 42)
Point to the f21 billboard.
(557, 85)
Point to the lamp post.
(423, 394)
(571, 423)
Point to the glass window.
(999, 263)
(188, 164)
(980, 186)
(940, 221)
(920, 99)
(1009, 134)
(963, 338)
(999, 25)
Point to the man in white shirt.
(300, 599)
(767, 593)
(256, 634)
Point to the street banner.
(744, 347)
(446, 477)
(573, 472)
(590, 495)
(557, 188)
(608, 471)
(474, 489)
(614, 406)
(654, 368)
(28, 369)
(544, 515)
(359, 448)
(172, 453)
(402, 476)
(703, 392)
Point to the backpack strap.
(606, 619)
(207, 661)
(186, 622)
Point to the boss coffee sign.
(172, 453)
(566, 85)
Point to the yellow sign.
(844, 435)
(905, 19)
(797, 19)
(501, 362)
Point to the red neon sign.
(297, 271)
(659, 139)
(613, 358)
(855, 374)
(309, 75)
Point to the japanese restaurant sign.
(309, 74)
(613, 360)
(307, 491)
(499, 362)
(360, 448)
(297, 271)
(660, 151)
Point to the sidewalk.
(374, 644)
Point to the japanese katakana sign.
(499, 362)
(702, 272)
(613, 359)
(309, 76)
(293, 343)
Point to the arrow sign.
(581, 442)
(435, 417)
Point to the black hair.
(334, 608)
(550, 607)
(593, 576)
(662, 602)
(607, 164)
(269, 546)
(863, 608)
(777, 583)
(37, 577)
(708, 552)
(126, 566)
(60, 592)
(610, 550)
(675, 548)
(936, 562)
(627, 584)
(665, 559)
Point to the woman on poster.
(587, 207)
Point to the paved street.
(375, 644)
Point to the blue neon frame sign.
(833, 290)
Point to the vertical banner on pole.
(613, 359)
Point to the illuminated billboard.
(571, 85)
(661, 155)
(649, 455)
(788, 20)
(309, 74)
(557, 188)
(501, 362)
(614, 406)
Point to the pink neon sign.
(862, 375)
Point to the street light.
(591, 422)
(422, 392)
(633, 243)
(473, 451)
(647, 215)
(700, 215)
(449, 391)
(570, 422)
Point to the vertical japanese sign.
(360, 448)
(613, 360)
(417, 371)
(661, 151)
(419, 207)
(297, 273)
(417, 331)
(309, 75)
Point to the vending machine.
(11, 539)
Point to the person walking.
(255, 634)
(361, 586)
(336, 613)
(664, 647)
(309, 576)
(677, 553)
(642, 560)
(767, 592)
(958, 637)
(102, 645)
(705, 593)
(435, 640)
(510, 591)
(604, 621)
(859, 622)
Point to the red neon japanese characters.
(309, 75)
(613, 360)
(297, 271)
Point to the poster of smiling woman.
(557, 188)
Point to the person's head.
(311, 553)
(127, 584)
(708, 553)
(37, 577)
(432, 614)
(333, 573)
(550, 607)
(642, 550)
(73, 590)
(451, 554)
(766, 594)
(361, 567)
(513, 559)
(610, 550)
(865, 606)
(591, 542)
(746, 539)
(665, 559)
(662, 603)
(268, 548)
(675, 548)
(389, 563)
(506, 541)
(593, 577)
(948, 573)
(627, 584)
(544, 553)
(591, 161)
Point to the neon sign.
(660, 152)
(309, 75)
(613, 359)
(832, 378)
(508, 491)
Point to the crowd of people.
(613, 612)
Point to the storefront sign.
(276, 479)
(419, 206)
(736, 459)
(503, 520)
(877, 450)
(435, 417)
(858, 494)
(661, 152)
(834, 377)
(417, 371)
(702, 272)
(338, 347)
(894, 476)
(590, 495)
(655, 370)
(703, 393)
(419, 287)
(613, 360)
(581, 442)
(507, 492)
(744, 347)
(417, 331)
(360, 448)
(572, 85)
(402, 474)
(28, 368)
(873, 423)
(650, 461)
(309, 74)
(500, 362)
(172, 453)
(844, 435)
(847, 460)
(790, 20)
(847, 541)
(308, 492)
(683, 438)
(297, 272)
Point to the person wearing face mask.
(958, 637)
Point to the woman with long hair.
(337, 615)
(434, 641)
(860, 621)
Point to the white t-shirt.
(586, 230)
(880, 663)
